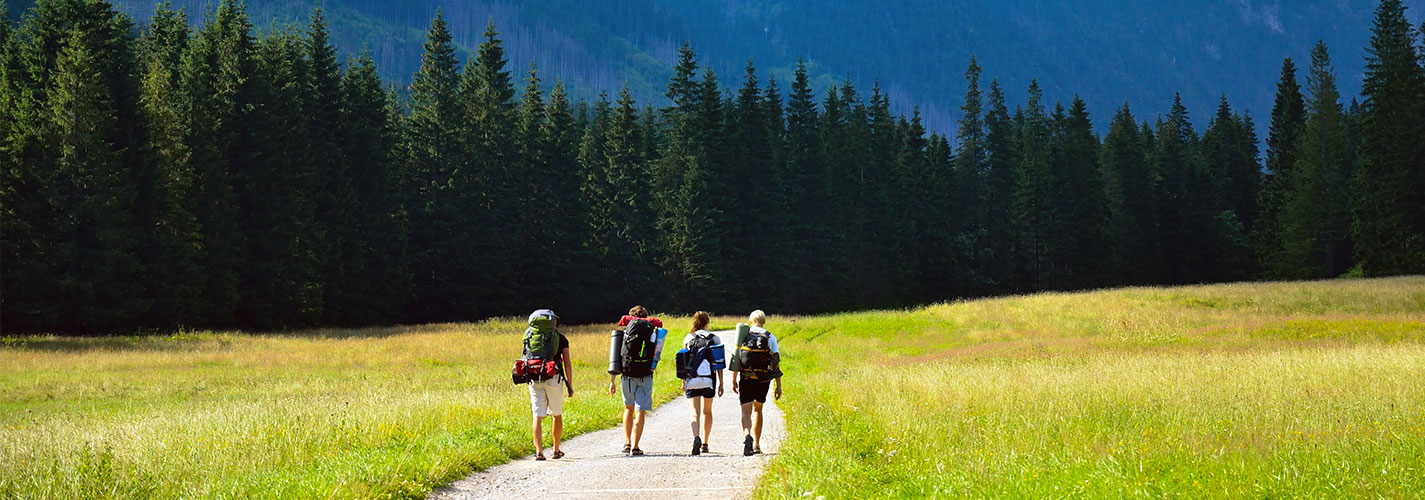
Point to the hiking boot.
(697, 445)
(705, 447)
(747, 446)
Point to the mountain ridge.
(1108, 52)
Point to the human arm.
(734, 382)
(568, 370)
(777, 387)
(719, 383)
(613, 384)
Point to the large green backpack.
(541, 341)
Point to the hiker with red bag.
(545, 366)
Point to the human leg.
(557, 433)
(697, 410)
(638, 427)
(707, 419)
(757, 425)
(628, 425)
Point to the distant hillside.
(1108, 51)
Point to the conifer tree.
(1315, 206)
(333, 199)
(1288, 122)
(804, 195)
(1389, 183)
(377, 252)
(751, 198)
(1129, 193)
(1077, 237)
(972, 195)
(440, 233)
(217, 92)
(280, 281)
(567, 229)
(99, 289)
(172, 255)
(1232, 163)
(622, 210)
(1229, 156)
(1033, 189)
(487, 183)
(1002, 151)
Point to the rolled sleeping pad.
(659, 334)
(719, 354)
(616, 352)
(733, 363)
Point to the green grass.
(1229, 391)
(374, 413)
(1250, 390)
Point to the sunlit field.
(1254, 390)
(1233, 391)
(373, 413)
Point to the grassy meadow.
(1229, 391)
(372, 413)
(1248, 390)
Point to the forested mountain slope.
(1108, 51)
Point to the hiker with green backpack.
(633, 356)
(755, 368)
(545, 366)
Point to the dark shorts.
(753, 390)
(706, 392)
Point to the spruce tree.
(1288, 122)
(1078, 237)
(1129, 191)
(1389, 183)
(1229, 156)
(218, 93)
(567, 229)
(1033, 189)
(172, 256)
(97, 270)
(622, 211)
(280, 280)
(333, 199)
(804, 195)
(1316, 218)
(1002, 151)
(487, 184)
(377, 252)
(440, 233)
(752, 198)
(972, 195)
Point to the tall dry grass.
(1226, 391)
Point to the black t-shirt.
(563, 343)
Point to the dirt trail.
(593, 466)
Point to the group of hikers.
(634, 351)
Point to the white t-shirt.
(704, 372)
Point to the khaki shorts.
(638, 392)
(547, 398)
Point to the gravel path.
(593, 467)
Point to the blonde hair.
(638, 312)
(757, 317)
(700, 321)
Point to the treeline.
(224, 177)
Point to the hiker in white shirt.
(705, 379)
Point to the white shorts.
(547, 398)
